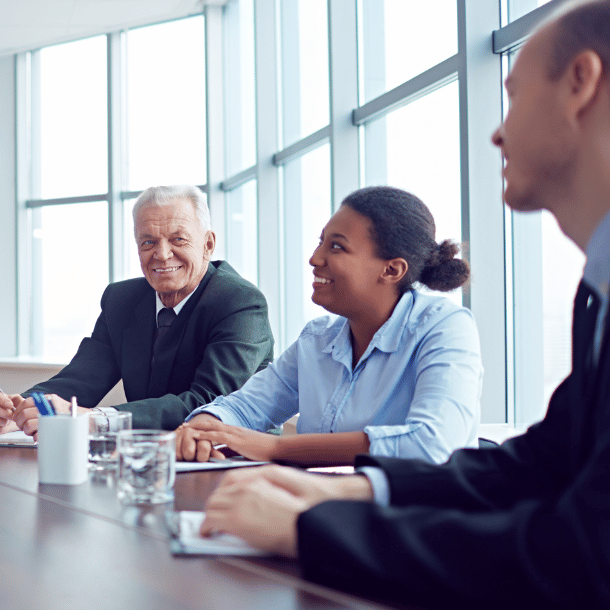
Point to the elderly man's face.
(174, 249)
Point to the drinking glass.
(103, 429)
(147, 466)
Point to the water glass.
(103, 429)
(147, 466)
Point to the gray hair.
(165, 195)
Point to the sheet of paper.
(16, 439)
(220, 465)
(184, 527)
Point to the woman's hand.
(196, 439)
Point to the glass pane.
(242, 231)
(240, 114)
(307, 210)
(417, 148)
(132, 260)
(73, 130)
(166, 104)
(559, 284)
(518, 8)
(73, 245)
(304, 67)
(402, 39)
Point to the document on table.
(184, 527)
(236, 462)
(16, 439)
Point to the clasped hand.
(196, 439)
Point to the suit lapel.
(137, 347)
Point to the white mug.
(63, 449)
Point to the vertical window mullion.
(270, 252)
(343, 81)
(482, 210)
(116, 160)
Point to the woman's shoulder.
(324, 326)
(430, 309)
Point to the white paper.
(222, 465)
(16, 439)
(185, 526)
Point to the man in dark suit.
(526, 524)
(189, 331)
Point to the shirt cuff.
(218, 413)
(379, 482)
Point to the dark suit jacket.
(524, 525)
(220, 338)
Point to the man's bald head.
(585, 27)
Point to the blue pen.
(42, 404)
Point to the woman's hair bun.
(442, 270)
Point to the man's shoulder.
(127, 292)
(227, 283)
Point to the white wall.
(8, 281)
(16, 377)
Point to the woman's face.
(347, 271)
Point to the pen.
(42, 404)
(73, 406)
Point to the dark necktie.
(586, 309)
(165, 319)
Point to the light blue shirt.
(415, 392)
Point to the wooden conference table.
(76, 547)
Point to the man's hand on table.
(262, 505)
(6, 413)
(26, 413)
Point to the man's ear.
(209, 245)
(394, 271)
(584, 74)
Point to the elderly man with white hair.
(190, 330)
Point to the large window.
(166, 142)
(278, 109)
(79, 194)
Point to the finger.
(31, 427)
(24, 416)
(179, 435)
(204, 449)
(21, 405)
(189, 446)
(215, 438)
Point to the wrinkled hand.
(262, 505)
(6, 411)
(206, 429)
(26, 413)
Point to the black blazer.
(524, 525)
(220, 338)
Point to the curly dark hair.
(403, 227)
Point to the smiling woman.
(395, 373)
